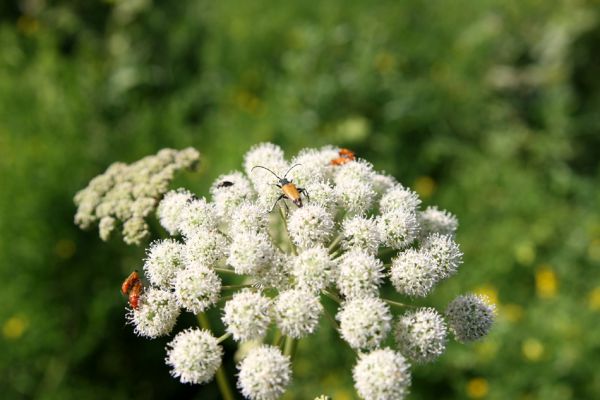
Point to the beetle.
(345, 155)
(289, 190)
(135, 293)
(224, 184)
(129, 282)
(133, 286)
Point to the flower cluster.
(124, 195)
(344, 231)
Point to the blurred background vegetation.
(487, 108)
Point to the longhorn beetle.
(289, 189)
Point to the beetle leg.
(274, 204)
(304, 192)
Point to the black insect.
(224, 184)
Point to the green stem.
(225, 270)
(294, 250)
(277, 337)
(220, 376)
(235, 286)
(335, 243)
(224, 338)
(290, 347)
(332, 320)
(332, 296)
(397, 304)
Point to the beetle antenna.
(260, 166)
(291, 168)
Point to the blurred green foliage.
(487, 108)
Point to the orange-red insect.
(289, 189)
(134, 287)
(345, 155)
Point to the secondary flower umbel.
(266, 275)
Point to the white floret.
(421, 335)
(156, 314)
(362, 233)
(194, 356)
(364, 322)
(247, 315)
(433, 220)
(413, 273)
(310, 225)
(163, 261)
(398, 228)
(382, 374)
(312, 269)
(264, 374)
(297, 312)
(446, 253)
(470, 317)
(229, 191)
(206, 248)
(197, 287)
(198, 216)
(359, 274)
(249, 254)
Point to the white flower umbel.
(399, 197)
(323, 194)
(297, 312)
(413, 273)
(248, 219)
(421, 335)
(470, 317)
(433, 220)
(398, 228)
(264, 374)
(163, 260)
(194, 356)
(135, 229)
(383, 182)
(359, 274)
(354, 186)
(315, 165)
(250, 254)
(275, 275)
(128, 193)
(444, 250)
(312, 269)
(198, 216)
(156, 314)
(170, 209)
(229, 191)
(381, 375)
(361, 232)
(197, 287)
(310, 225)
(205, 247)
(364, 322)
(268, 155)
(247, 315)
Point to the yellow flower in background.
(490, 292)
(424, 186)
(477, 388)
(14, 327)
(546, 283)
(512, 312)
(594, 299)
(532, 349)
